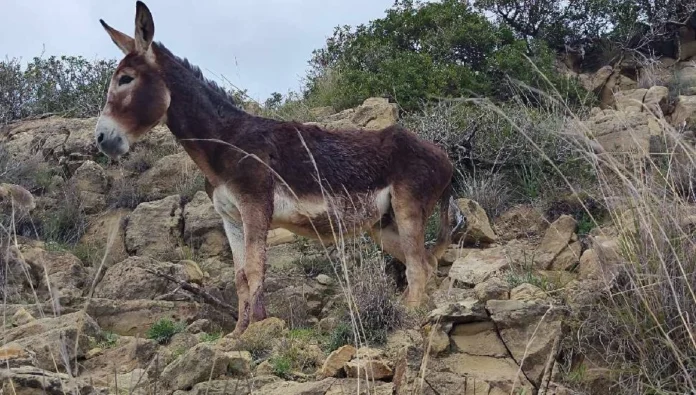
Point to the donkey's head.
(138, 97)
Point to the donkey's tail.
(451, 221)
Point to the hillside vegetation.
(572, 127)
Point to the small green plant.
(179, 351)
(211, 337)
(340, 336)
(282, 366)
(110, 340)
(585, 224)
(164, 329)
(524, 274)
(304, 334)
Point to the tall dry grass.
(635, 333)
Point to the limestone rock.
(478, 229)
(435, 339)
(22, 317)
(630, 100)
(90, 177)
(99, 231)
(657, 100)
(527, 292)
(28, 380)
(238, 363)
(494, 375)
(154, 228)
(13, 355)
(521, 221)
(555, 240)
(65, 272)
(16, 197)
(517, 321)
(568, 258)
(333, 365)
(129, 280)
(203, 228)
(478, 266)
(49, 338)
(478, 338)
(376, 113)
(493, 288)
(469, 310)
(167, 175)
(625, 136)
(201, 363)
(370, 368)
(135, 317)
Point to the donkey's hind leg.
(388, 239)
(410, 221)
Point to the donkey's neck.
(198, 110)
(200, 114)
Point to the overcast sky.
(259, 45)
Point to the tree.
(416, 52)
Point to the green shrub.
(69, 85)
(164, 329)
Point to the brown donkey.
(263, 174)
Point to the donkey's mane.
(196, 71)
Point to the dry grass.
(637, 327)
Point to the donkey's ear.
(123, 41)
(144, 27)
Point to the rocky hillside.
(117, 277)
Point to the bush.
(490, 147)
(419, 51)
(69, 85)
(164, 329)
(65, 222)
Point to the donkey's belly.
(332, 217)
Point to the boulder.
(369, 368)
(334, 363)
(478, 229)
(555, 240)
(129, 280)
(528, 330)
(201, 363)
(135, 317)
(28, 380)
(166, 176)
(478, 338)
(59, 272)
(624, 135)
(154, 228)
(657, 101)
(630, 100)
(521, 221)
(568, 258)
(203, 228)
(469, 310)
(376, 113)
(55, 340)
(16, 197)
(493, 288)
(100, 228)
(478, 266)
(527, 292)
(90, 177)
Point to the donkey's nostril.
(100, 138)
(119, 139)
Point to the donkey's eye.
(124, 79)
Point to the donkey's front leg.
(256, 219)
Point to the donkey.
(263, 174)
